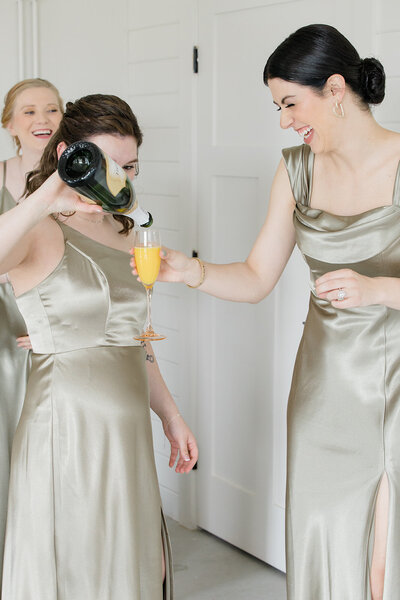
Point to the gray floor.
(206, 568)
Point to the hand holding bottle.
(22, 227)
(96, 176)
(56, 197)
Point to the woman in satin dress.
(84, 519)
(31, 114)
(338, 197)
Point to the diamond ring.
(341, 294)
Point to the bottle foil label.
(115, 176)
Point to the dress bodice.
(368, 242)
(91, 299)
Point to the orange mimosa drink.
(147, 246)
(147, 263)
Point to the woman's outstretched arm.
(255, 278)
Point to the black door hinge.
(195, 59)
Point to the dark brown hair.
(313, 53)
(96, 114)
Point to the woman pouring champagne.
(85, 519)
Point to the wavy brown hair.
(96, 114)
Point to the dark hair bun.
(372, 84)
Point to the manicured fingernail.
(186, 459)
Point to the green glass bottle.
(94, 175)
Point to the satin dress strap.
(396, 188)
(299, 161)
(4, 175)
(3, 191)
(6, 199)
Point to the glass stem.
(149, 293)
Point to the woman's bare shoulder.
(392, 142)
(2, 163)
(46, 233)
(281, 189)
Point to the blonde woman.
(31, 114)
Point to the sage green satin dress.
(85, 519)
(344, 405)
(14, 367)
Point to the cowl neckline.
(330, 221)
(338, 239)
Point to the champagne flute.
(147, 248)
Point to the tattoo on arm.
(149, 357)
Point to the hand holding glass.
(147, 257)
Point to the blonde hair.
(13, 93)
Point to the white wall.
(386, 46)
(82, 45)
(9, 61)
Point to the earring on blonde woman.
(338, 110)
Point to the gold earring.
(338, 110)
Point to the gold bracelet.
(203, 273)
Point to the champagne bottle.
(99, 179)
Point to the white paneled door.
(161, 90)
(246, 352)
(240, 500)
